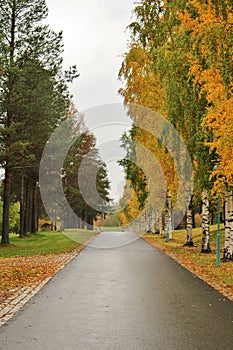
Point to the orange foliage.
(210, 40)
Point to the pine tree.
(33, 89)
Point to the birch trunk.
(228, 249)
(161, 224)
(148, 228)
(189, 224)
(158, 223)
(205, 223)
(153, 220)
(189, 228)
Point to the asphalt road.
(131, 297)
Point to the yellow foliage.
(142, 88)
(142, 85)
(210, 39)
(131, 210)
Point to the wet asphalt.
(120, 293)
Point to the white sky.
(95, 39)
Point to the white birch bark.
(161, 224)
(189, 228)
(158, 222)
(205, 223)
(228, 248)
(149, 221)
(189, 223)
(142, 222)
(153, 220)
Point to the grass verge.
(112, 229)
(45, 242)
(27, 262)
(202, 265)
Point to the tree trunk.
(205, 223)
(161, 224)
(228, 249)
(6, 207)
(22, 207)
(9, 122)
(30, 204)
(149, 221)
(158, 223)
(27, 210)
(189, 225)
(194, 223)
(34, 209)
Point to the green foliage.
(34, 95)
(159, 30)
(112, 220)
(83, 210)
(133, 172)
(14, 217)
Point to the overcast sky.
(95, 39)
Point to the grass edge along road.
(31, 260)
(191, 258)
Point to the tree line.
(34, 100)
(179, 63)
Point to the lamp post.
(168, 230)
(166, 233)
(170, 215)
(218, 240)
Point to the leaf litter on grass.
(19, 272)
(201, 265)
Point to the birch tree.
(205, 223)
(228, 247)
(189, 222)
(210, 28)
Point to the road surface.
(122, 294)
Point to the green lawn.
(112, 229)
(45, 242)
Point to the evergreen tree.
(33, 89)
